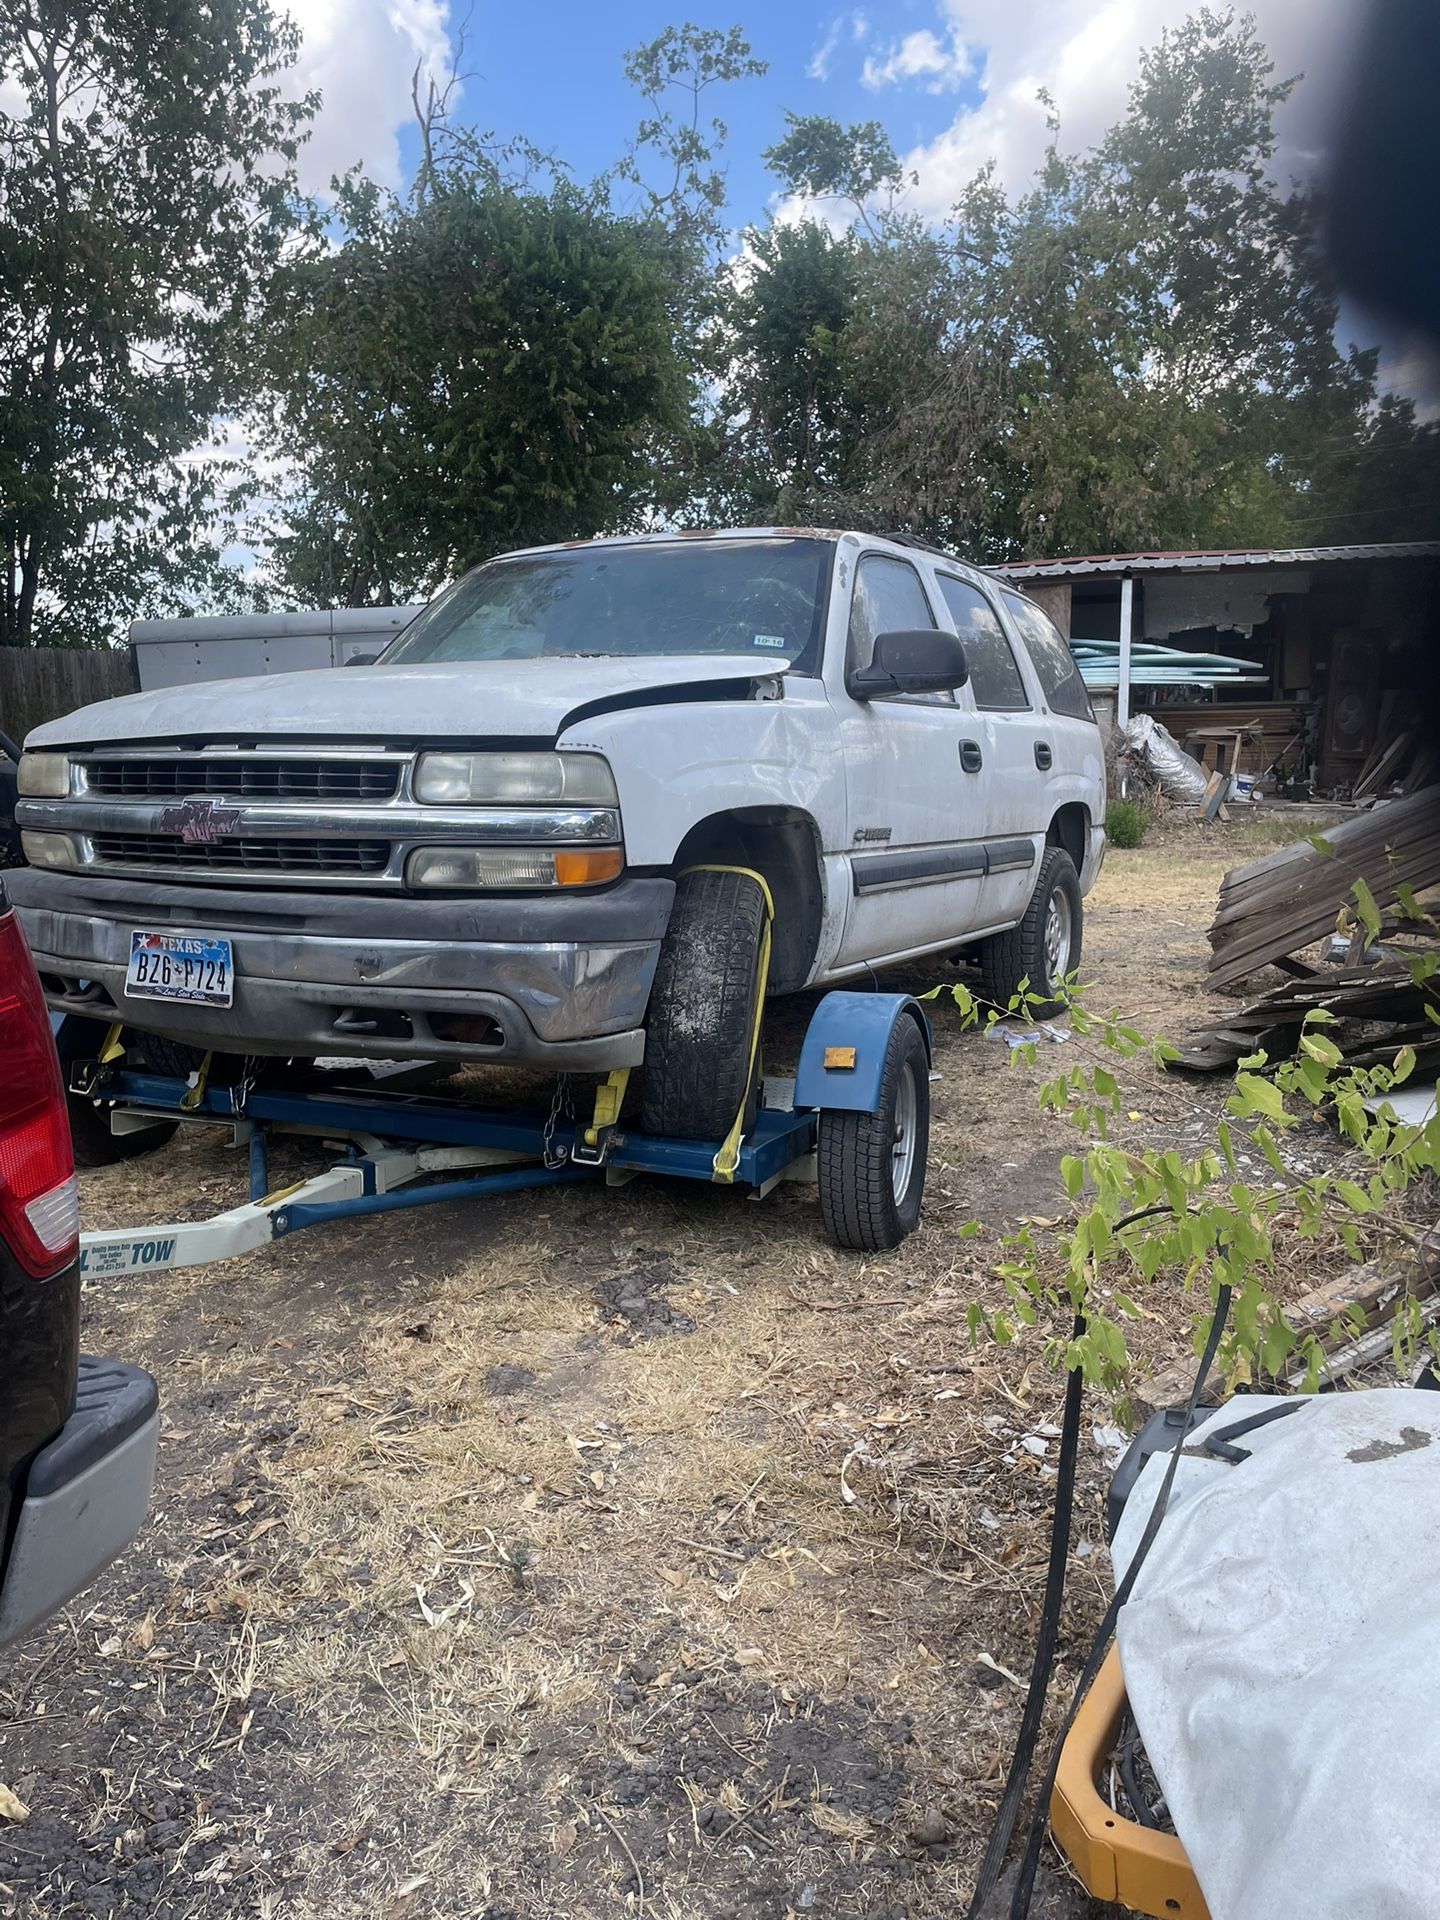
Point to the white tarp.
(1281, 1652)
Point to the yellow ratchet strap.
(112, 1049)
(728, 1158)
(192, 1096)
(609, 1098)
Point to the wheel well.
(1070, 829)
(782, 844)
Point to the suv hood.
(520, 699)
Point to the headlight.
(514, 779)
(44, 776)
(48, 849)
(476, 869)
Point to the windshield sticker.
(769, 640)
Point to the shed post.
(1122, 692)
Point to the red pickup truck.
(77, 1434)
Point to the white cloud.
(361, 55)
(923, 55)
(1085, 53)
(854, 26)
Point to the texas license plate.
(180, 966)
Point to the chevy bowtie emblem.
(200, 821)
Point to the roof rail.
(923, 546)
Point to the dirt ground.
(602, 1553)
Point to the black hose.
(1046, 1640)
(1025, 1880)
(1003, 1826)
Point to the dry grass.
(535, 1610)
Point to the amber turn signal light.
(588, 867)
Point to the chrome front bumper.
(559, 982)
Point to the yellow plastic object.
(1117, 1859)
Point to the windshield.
(764, 598)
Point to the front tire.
(872, 1165)
(699, 1027)
(1044, 948)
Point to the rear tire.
(702, 1008)
(1044, 947)
(872, 1165)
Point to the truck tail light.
(39, 1209)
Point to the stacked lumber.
(1270, 727)
(1405, 757)
(1378, 1010)
(1276, 905)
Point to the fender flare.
(854, 1030)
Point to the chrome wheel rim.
(1057, 937)
(902, 1153)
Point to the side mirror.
(363, 659)
(921, 660)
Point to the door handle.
(971, 758)
(1044, 758)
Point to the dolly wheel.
(94, 1144)
(872, 1165)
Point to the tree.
(1137, 350)
(848, 392)
(145, 193)
(1170, 323)
(819, 159)
(477, 367)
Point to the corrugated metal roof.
(1211, 559)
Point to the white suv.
(531, 831)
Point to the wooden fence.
(43, 683)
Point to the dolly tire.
(872, 1165)
(90, 1136)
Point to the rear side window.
(1059, 677)
(994, 677)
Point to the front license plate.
(180, 966)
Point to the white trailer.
(176, 653)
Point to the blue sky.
(563, 87)
(954, 82)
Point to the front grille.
(243, 856)
(241, 776)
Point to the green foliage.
(1125, 823)
(673, 73)
(1200, 1219)
(481, 368)
(1138, 350)
(145, 194)
(820, 159)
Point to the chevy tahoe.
(547, 826)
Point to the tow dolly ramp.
(393, 1139)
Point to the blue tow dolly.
(854, 1120)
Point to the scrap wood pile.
(1405, 757)
(1378, 1009)
(1273, 907)
(1276, 906)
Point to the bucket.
(1243, 787)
